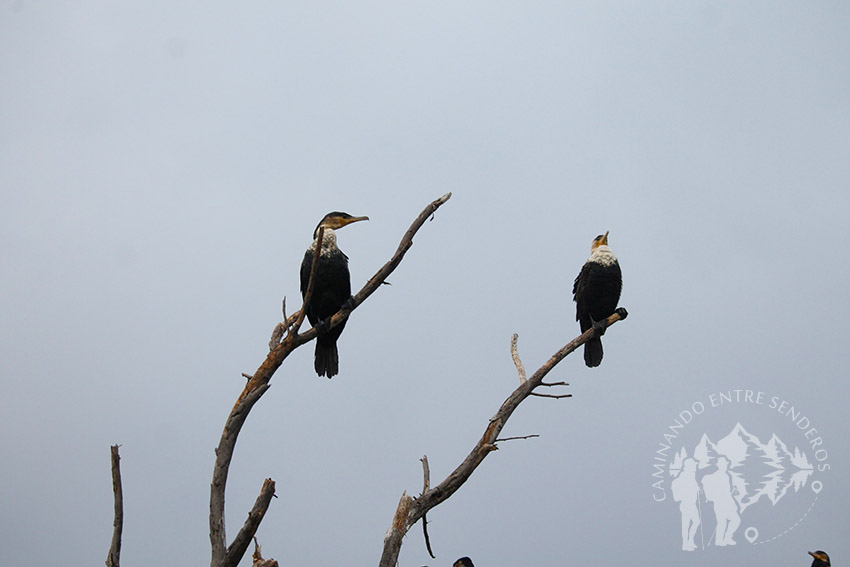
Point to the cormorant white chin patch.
(603, 255)
(328, 242)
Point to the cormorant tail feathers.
(593, 352)
(327, 358)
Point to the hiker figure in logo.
(685, 489)
(718, 489)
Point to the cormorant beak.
(812, 553)
(604, 240)
(341, 222)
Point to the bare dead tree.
(410, 510)
(113, 559)
(285, 339)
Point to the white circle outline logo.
(724, 477)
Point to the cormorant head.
(336, 220)
(601, 240)
(463, 562)
(821, 559)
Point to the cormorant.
(596, 292)
(463, 562)
(331, 290)
(821, 559)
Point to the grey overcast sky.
(163, 165)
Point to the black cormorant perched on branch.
(821, 559)
(463, 562)
(596, 292)
(331, 289)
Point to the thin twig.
(426, 471)
(312, 281)
(514, 438)
(114, 557)
(556, 396)
(552, 385)
(284, 326)
(517, 362)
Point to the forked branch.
(417, 509)
(223, 556)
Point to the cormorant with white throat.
(331, 290)
(596, 292)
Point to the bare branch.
(392, 541)
(249, 528)
(517, 362)
(403, 247)
(113, 559)
(224, 453)
(426, 471)
(487, 443)
(311, 282)
(259, 383)
(515, 438)
(556, 396)
(552, 385)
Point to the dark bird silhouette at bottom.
(463, 562)
(821, 559)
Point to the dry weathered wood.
(277, 334)
(392, 540)
(114, 557)
(259, 381)
(517, 361)
(224, 454)
(258, 557)
(440, 493)
(240, 543)
(286, 324)
(426, 472)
